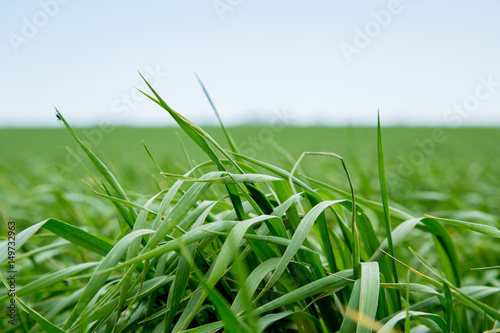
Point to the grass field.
(172, 256)
(459, 174)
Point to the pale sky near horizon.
(295, 62)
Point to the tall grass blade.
(101, 167)
(229, 138)
(368, 296)
(387, 214)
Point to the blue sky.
(302, 62)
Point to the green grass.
(188, 236)
(460, 176)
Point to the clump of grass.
(239, 245)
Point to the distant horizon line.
(212, 125)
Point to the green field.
(451, 174)
(460, 173)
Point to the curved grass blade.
(133, 250)
(276, 170)
(267, 320)
(446, 250)
(64, 230)
(413, 287)
(332, 282)
(253, 281)
(182, 275)
(200, 138)
(191, 236)
(44, 323)
(97, 281)
(51, 279)
(324, 234)
(298, 238)
(232, 179)
(398, 235)
(97, 313)
(232, 323)
(376, 206)
(480, 228)
(226, 255)
(457, 293)
(436, 319)
(120, 201)
(327, 246)
(101, 167)
(207, 328)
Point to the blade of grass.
(64, 230)
(387, 214)
(101, 167)
(226, 255)
(232, 323)
(50, 279)
(229, 138)
(368, 297)
(448, 309)
(44, 323)
(332, 282)
(97, 281)
(233, 178)
(348, 324)
(298, 238)
(199, 137)
(480, 228)
(391, 324)
(457, 293)
(182, 275)
(324, 234)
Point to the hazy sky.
(329, 62)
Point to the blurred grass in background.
(38, 175)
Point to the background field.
(459, 174)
